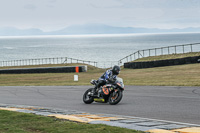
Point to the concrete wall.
(170, 62)
(67, 69)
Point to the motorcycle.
(110, 92)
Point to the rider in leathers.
(109, 76)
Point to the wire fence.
(57, 60)
(186, 48)
(42, 61)
(177, 49)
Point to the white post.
(75, 77)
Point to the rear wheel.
(87, 98)
(115, 97)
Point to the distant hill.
(90, 29)
(11, 31)
(105, 29)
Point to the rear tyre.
(115, 97)
(86, 98)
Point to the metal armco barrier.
(67, 69)
(159, 63)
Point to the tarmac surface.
(178, 104)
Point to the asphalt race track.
(179, 104)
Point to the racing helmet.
(116, 70)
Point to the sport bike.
(110, 92)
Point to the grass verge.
(180, 75)
(15, 122)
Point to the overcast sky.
(56, 14)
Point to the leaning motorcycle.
(110, 92)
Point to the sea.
(99, 48)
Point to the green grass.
(165, 57)
(91, 68)
(180, 75)
(15, 122)
(46, 79)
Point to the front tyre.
(86, 98)
(115, 97)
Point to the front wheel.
(86, 98)
(115, 97)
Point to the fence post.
(183, 49)
(175, 49)
(134, 56)
(143, 53)
(149, 52)
(191, 47)
(138, 54)
(66, 59)
(61, 60)
(168, 50)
